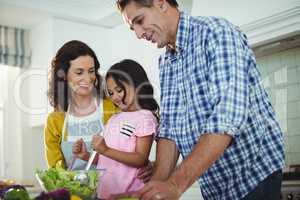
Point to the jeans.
(268, 189)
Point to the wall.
(281, 78)
(262, 21)
(241, 12)
(96, 37)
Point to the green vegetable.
(57, 178)
(16, 194)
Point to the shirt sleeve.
(52, 133)
(164, 130)
(228, 54)
(147, 125)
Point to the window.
(8, 113)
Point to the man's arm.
(166, 159)
(208, 149)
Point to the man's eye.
(139, 21)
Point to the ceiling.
(27, 13)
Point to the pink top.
(121, 133)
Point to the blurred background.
(31, 32)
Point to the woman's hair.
(133, 74)
(58, 90)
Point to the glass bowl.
(58, 178)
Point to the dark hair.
(145, 3)
(132, 73)
(58, 91)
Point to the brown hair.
(145, 3)
(132, 73)
(58, 90)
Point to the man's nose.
(139, 31)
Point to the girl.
(128, 135)
(75, 94)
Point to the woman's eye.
(78, 73)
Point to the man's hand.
(158, 190)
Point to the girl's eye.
(92, 71)
(119, 90)
(78, 73)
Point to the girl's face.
(81, 75)
(117, 94)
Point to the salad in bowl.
(82, 183)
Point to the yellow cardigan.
(53, 133)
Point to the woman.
(75, 92)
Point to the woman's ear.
(61, 74)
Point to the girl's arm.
(136, 159)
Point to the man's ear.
(161, 4)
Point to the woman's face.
(81, 75)
(116, 93)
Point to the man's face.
(147, 23)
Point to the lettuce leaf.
(58, 178)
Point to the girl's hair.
(58, 92)
(132, 73)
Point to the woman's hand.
(146, 172)
(79, 149)
(99, 144)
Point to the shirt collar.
(182, 33)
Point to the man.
(214, 110)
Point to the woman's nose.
(88, 77)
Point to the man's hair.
(145, 3)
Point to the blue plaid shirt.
(211, 84)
